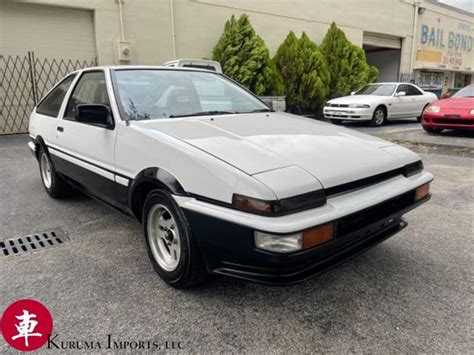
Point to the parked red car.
(456, 112)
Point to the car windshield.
(468, 91)
(377, 89)
(161, 93)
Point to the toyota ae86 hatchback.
(221, 184)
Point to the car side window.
(90, 89)
(51, 104)
(412, 91)
(404, 88)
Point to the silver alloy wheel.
(163, 237)
(379, 116)
(45, 168)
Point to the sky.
(467, 5)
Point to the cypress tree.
(245, 58)
(347, 63)
(304, 72)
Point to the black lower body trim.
(229, 249)
(94, 185)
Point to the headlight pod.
(413, 168)
(471, 112)
(432, 109)
(279, 207)
(358, 106)
(254, 205)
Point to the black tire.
(337, 122)
(433, 130)
(56, 187)
(190, 269)
(379, 117)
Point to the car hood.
(357, 99)
(453, 102)
(261, 142)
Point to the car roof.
(391, 82)
(138, 67)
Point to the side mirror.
(400, 93)
(446, 95)
(94, 114)
(353, 92)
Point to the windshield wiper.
(203, 113)
(259, 110)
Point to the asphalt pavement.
(412, 293)
(411, 131)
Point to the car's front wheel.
(432, 130)
(171, 247)
(379, 116)
(54, 185)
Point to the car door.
(418, 100)
(85, 152)
(403, 105)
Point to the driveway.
(412, 293)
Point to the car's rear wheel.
(337, 122)
(54, 185)
(433, 130)
(170, 245)
(379, 116)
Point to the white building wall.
(199, 23)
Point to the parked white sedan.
(379, 102)
(221, 183)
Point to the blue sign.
(434, 37)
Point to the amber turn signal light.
(318, 235)
(422, 191)
(251, 204)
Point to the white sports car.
(221, 184)
(379, 102)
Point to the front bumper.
(346, 113)
(228, 248)
(448, 121)
(32, 147)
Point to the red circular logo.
(26, 325)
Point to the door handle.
(60, 129)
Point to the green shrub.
(304, 72)
(347, 63)
(245, 58)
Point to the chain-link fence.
(24, 79)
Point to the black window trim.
(81, 74)
(73, 75)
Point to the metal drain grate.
(33, 242)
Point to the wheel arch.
(384, 106)
(150, 179)
(40, 143)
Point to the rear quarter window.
(51, 104)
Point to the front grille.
(361, 219)
(359, 184)
(338, 105)
(453, 121)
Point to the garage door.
(380, 40)
(38, 45)
(49, 31)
